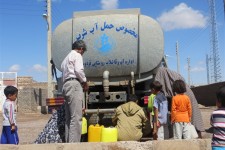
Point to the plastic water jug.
(109, 134)
(94, 133)
(84, 125)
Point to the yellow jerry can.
(84, 125)
(109, 134)
(94, 133)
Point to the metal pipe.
(93, 111)
(139, 55)
(122, 82)
(106, 83)
(118, 83)
(144, 79)
(132, 83)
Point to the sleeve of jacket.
(10, 113)
(115, 117)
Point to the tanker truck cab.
(124, 49)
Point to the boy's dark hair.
(221, 96)
(10, 90)
(179, 86)
(132, 98)
(156, 85)
(80, 44)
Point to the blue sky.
(23, 32)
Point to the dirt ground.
(30, 125)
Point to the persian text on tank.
(109, 62)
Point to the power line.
(55, 17)
(57, 14)
(16, 4)
(19, 14)
(197, 35)
(189, 69)
(28, 8)
(207, 68)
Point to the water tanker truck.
(124, 49)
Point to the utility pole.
(165, 58)
(48, 18)
(189, 69)
(178, 58)
(224, 8)
(207, 66)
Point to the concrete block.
(204, 144)
(197, 144)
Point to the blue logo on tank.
(104, 43)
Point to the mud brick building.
(32, 95)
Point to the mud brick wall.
(206, 95)
(29, 99)
(31, 94)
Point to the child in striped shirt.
(218, 121)
(9, 129)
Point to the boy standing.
(150, 105)
(9, 129)
(218, 121)
(160, 111)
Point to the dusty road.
(30, 125)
